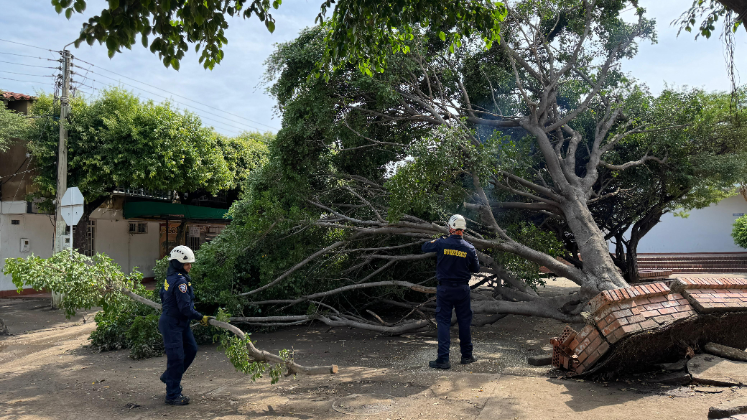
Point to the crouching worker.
(178, 309)
(456, 260)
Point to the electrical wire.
(29, 56)
(29, 75)
(28, 45)
(28, 65)
(170, 93)
(22, 81)
(184, 105)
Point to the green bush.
(143, 337)
(739, 231)
(129, 325)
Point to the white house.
(134, 228)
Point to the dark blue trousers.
(456, 297)
(181, 349)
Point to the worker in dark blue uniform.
(178, 309)
(456, 261)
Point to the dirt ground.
(47, 371)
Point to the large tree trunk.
(80, 239)
(601, 271)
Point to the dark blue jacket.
(178, 299)
(456, 258)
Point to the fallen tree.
(87, 282)
(366, 169)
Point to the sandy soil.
(48, 372)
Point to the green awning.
(156, 210)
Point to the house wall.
(111, 238)
(35, 227)
(705, 230)
(128, 250)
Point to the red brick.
(648, 314)
(663, 319)
(656, 299)
(681, 315)
(609, 329)
(635, 318)
(665, 311)
(573, 344)
(603, 348)
(582, 356)
(623, 313)
(615, 336)
(653, 306)
(648, 324)
(630, 329)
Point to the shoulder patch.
(183, 288)
(189, 284)
(433, 241)
(166, 285)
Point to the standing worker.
(177, 309)
(456, 261)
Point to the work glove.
(205, 320)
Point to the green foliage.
(83, 281)
(144, 339)
(739, 231)
(362, 32)
(708, 12)
(12, 125)
(118, 141)
(432, 177)
(238, 355)
(129, 325)
(535, 238)
(160, 270)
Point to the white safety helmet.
(182, 254)
(457, 222)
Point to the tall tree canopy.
(360, 31)
(538, 141)
(12, 125)
(118, 141)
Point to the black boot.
(180, 400)
(164, 381)
(468, 360)
(439, 364)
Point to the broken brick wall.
(646, 324)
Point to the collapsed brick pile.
(645, 324)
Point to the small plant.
(739, 231)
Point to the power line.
(28, 65)
(29, 56)
(185, 105)
(26, 74)
(22, 81)
(28, 45)
(170, 93)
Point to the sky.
(232, 97)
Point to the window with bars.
(138, 227)
(89, 247)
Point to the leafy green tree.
(360, 31)
(739, 232)
(118, 141)
(12, 125)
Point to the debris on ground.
(728, 409)
(540, 360)
(713, 370)
(726, 352)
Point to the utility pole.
(59, 237)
